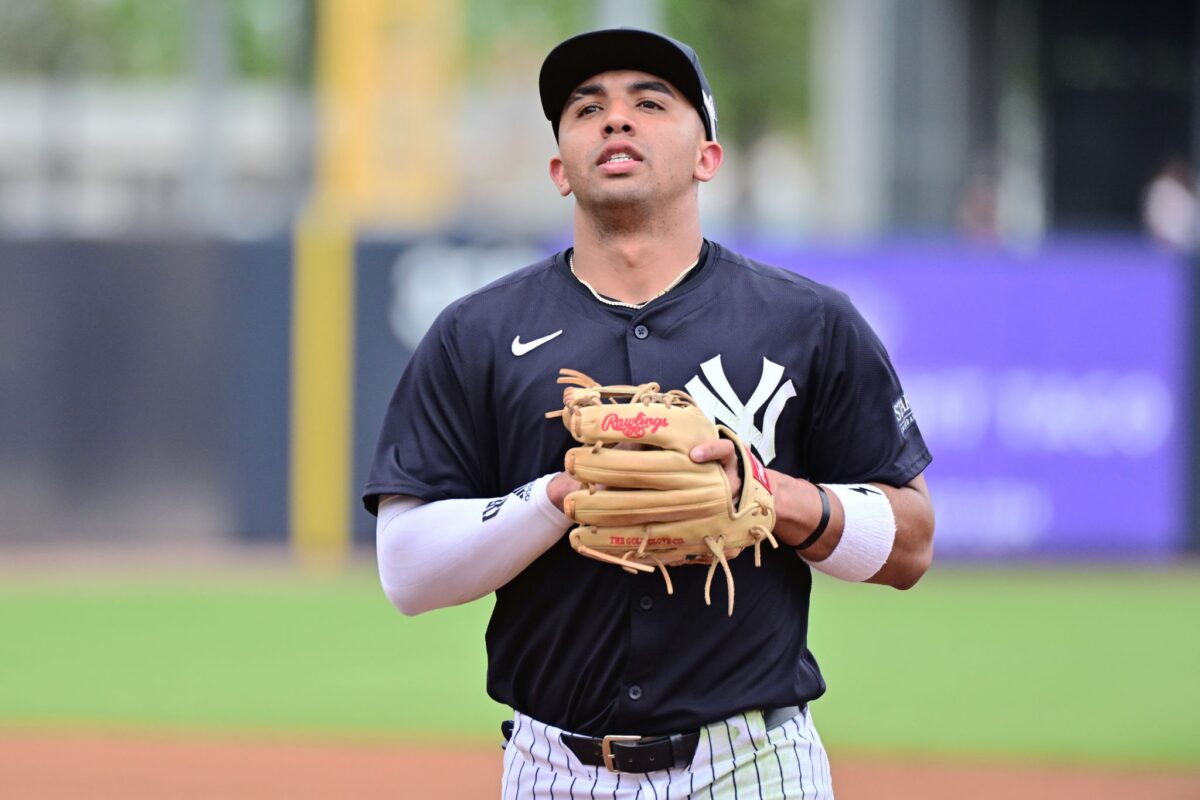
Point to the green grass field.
(1045, 664)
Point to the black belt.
(650, 753)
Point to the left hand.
(721, 450)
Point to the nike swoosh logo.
(520, 348)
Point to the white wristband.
(867, 537)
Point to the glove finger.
(638, 469)
(682, 531)
(678, 428)
(607, 507)
(669, 548)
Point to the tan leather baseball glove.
(645, 504)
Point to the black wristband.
(822, 525)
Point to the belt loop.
(506, 728)
(677, 757)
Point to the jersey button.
(641, 331)
(635, 692)
(647, 602)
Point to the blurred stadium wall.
(225, 223)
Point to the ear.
(711, 156)
(558, 174)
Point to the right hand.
(559, 487)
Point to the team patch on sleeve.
(904, 414)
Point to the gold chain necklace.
(635, 306)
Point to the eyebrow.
(586, 90)
(652, 86)
(592, 89)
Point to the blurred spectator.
(1170, 209)
(979, 207)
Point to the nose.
(619, 119)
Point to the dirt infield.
(58, 766)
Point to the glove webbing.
(594, 393)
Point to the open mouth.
(616, 154)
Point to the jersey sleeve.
(429, 444)
(862, 428)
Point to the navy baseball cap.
(580, 57)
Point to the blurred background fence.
(224, 225)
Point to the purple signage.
(1049, 384)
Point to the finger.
(716, 450)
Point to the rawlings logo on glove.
(645, 504)
(634, 428)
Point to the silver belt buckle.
(606, 749)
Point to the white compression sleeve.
(433, 555)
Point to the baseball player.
(619, 689)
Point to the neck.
(633, 263)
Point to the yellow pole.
(322, 380)
(388, 80)
(385, 71)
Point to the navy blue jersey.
(786, 362)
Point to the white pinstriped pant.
(736, 758)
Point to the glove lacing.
(592, 393)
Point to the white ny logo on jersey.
(726, 408)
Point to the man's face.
(628, 137)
